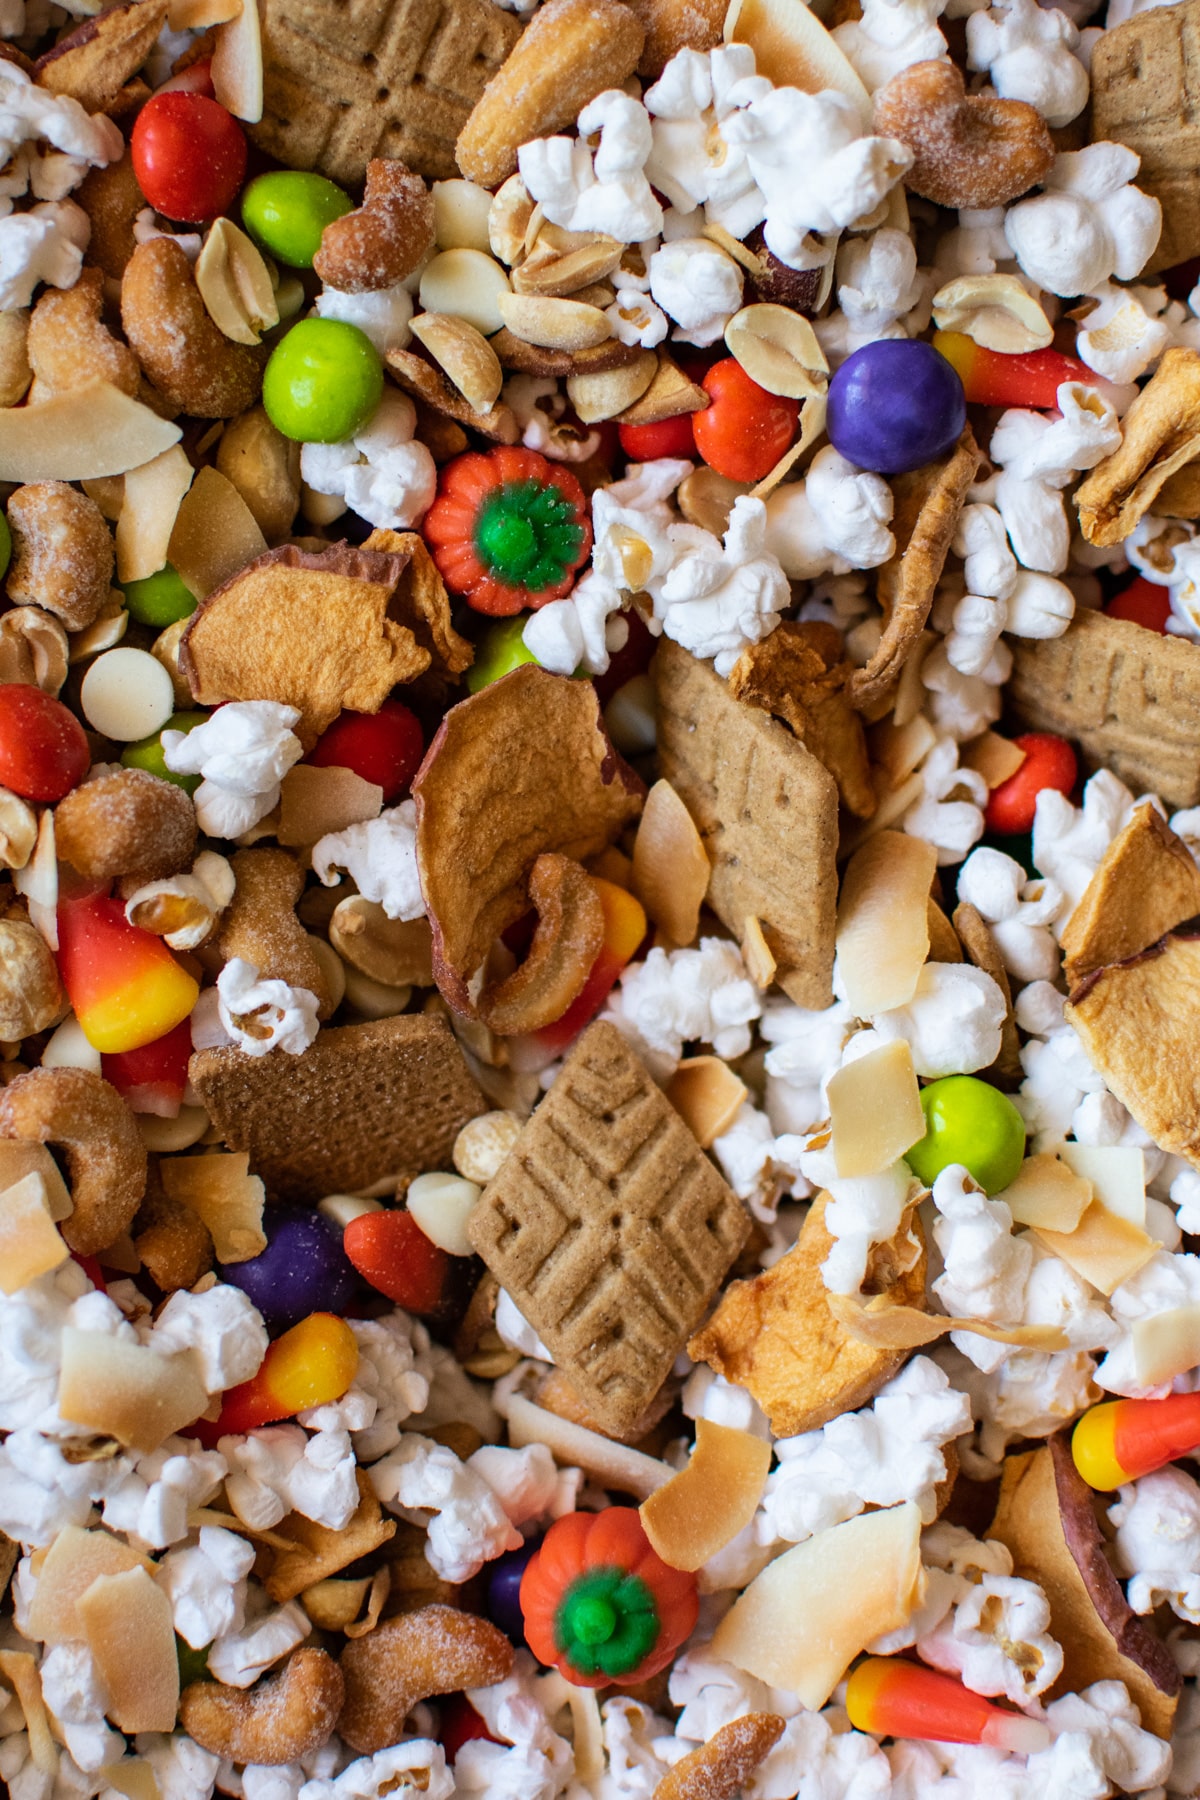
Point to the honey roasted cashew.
(189, 359)
(261, 927)
(79, 1112)
(289, 1714)
(436, 1650)
(62, 552)
(969, 150)
(385, 238)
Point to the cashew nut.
(188, 358)
(62, 552)
(106, 1161)
(436, 1650)
(286, 1716)
(69, 343)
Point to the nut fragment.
(427, 383)
(15, 372)
(385, 239)
(1160, 435)
(968, 150)
(996, 311)
(509, 218)
(260, 924)
(62, 552)
(669, 394)
(264, 467)
(778, 349)
(92, 62)
(18, 830)
(437, 1650)
(33, 648)
(69, 343)
(610, 391)
(186, 356)
(112, 200)
(557, 324)
(30, 995)
(483, 1143)
(465, 355)
(126, 821)
(563, 262)
(288, 1715)
(235, 285)
(397, 952)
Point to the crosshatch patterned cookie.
(346, 80)
(767, 811)
(609, 1227)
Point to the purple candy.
(894, 405)
(504, 1590)
(302, 1270)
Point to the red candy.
(460, 1724)
(384, 747)
(1143, 602)
(746, 430)
(43, 748)
(189, 156)
(152, 1078)
(390, 1250)
(126, 988)
(1049, 763)
(668, 437)
(991, 378)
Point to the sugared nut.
(969, 150)
(124, 821)
(437, 1650)
(264, 467)
(997, 311)
(30, 995)
(33, 648)
(62, 552)
(385, 239)
(483, 1143)
(235, 284)
(279, 1720)
(69, 343)
(188, 358)
(15, 372)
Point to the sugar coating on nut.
(437, 1650)
(62, 552)
(968, 150)
(261, 926)
(69, 343)
(287, 1716)
(126, 822)
(106, 1161)
(384, 239)
(186, 356)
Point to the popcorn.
(196, 900)
(1088, 224)
(692, 162)
(952, 1022)
(45, 244)
(153, 1501)
(864, 1210)
(1158, 1542)
(757, 1165)
(381, 473)
(877, 284)
(242, 751)
(835, 520)
(1165, 1282)
(636, 320)
(1121, 338)
(975, 633)
(413, 1770)
(986, 1268)
(1039, 606)
(380, 856)
(989, 566)
(996, 1640)
(697, 285)
(1018, 912)
(256, 1015)
(182, 1770)
(1099, 1746)
(381, 314)
(390, 1384)
(75, 1693)
(890, 36)
(280, 1469)
(1038, 457)
(29, 112)
(469, 1526)
(1030, 1394)
(1069, 841)
(206, 1585)
(717, 599)
(684, 996)
(962, 705)
(539, 407)
(1028, 53)
(607, 191)
(239, 1657)
(806, 1048)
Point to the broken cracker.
(777, 1337)
(327, 1122)
(609, 1227)
(315, 1551)
(799, 674)
(1160, 434)
(766, 809)
(312, 630)
(1146, 884)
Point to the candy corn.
(311, 1364)
(891, 1697)
(124, 984)
(1121, 1439)
(152, 1079)
(991, 378)
(624, 929)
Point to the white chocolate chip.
(460, 216)
(483, 1143)
(69, 1049)
(127, 695)
(340, 1209)
(441, 1204)
(466, 283)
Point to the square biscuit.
(609, 1227)
(363, 1102)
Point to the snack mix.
(600, 915)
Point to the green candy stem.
(607, 1622)
(527, 534)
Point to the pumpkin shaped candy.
(601, 1605)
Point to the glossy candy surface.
(508, 529)
(304, 1267)
(500, 650)
(968, 1122)
(159, 599)
(992, 378)
(384, 747)
(894, 405)
(1049, 763)
(666, 437)
(286, 211)
(126, 988)
(43, 747)
(1120, 1440)
(1143, 602)
(147, 753)
(390, 1250)
(310, 1365)
(504, 1577)
(745, 430)
(189, 156)
(153, 1077)
(323, 381)
(893, 1697)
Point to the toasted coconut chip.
(316, 801)
(875, 1110)
(381, 1587)
(877, 1321)
(134, 1778)
(127, 1391)
(1160, 434)
(756, 954)
(19, 1159)
(521, 768)
(1105, 1249)
(996, 758)
(237, 64)
(566, 942)
(793, 49)
(333, 1604)
(148, 510)
(74, 1560)
(226, 1196)
(128, 1628)
(1048, 1194)
(671, 869)
(215, 534)
(1116, 1174)
(1146, 884)
(1165, 1345)
(928, 502)
(19, 1668)
(883, 923)
(706, 1094)
(79, 435)
(704, 1507)
(613, 1465)
(30, 1242)
(307, 1553)
(799, 674)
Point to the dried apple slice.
(670, 867)
(882, 929)
(226, 1196)
(30, 1242)
(1146, 884)
(128, 1628)
(886, 1326)
(801, 1623)
(703, 1508)
(1047, 1193)
(875, 1110)
(80, 435)
(126, 1391)
(74, 1560)
(1104, 1249)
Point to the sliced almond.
(669, 394)
(151, 501)
(713, 1497)
(883, 923)
(226, 1196)
(996, 311)
(1048, 1194)
(553, 323)
(607, 392)
(464, 353)
(1117, 1173)
(237, 64)
(80, 435)
(778, 348)
(396, 952)
(706, 1094)
(875, 1110)
(235, 284)
(30, 1242)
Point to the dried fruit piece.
(566, 942)
(800, 674)
(1160, 434)
(1146, 884)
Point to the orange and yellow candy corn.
(1121, 1439)
(993, 378)
(125, 986)
(891, 1697)
(310, 1365)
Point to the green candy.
(147, 753)
(159, 599)
(5, 544)
(499, 652)
(286, 212)
(606, 1622)
(972, 1123)
(323, 382)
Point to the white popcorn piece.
(206, 1585)
(989, 566)
(758, 1166)
(1028, 52)
(1069, 841)
(971, 642)
(200, 898)
(28, 112)
(997, 1640)
(602, 191)
(280, 1469)
(45, 244)
(382, 315)
(148, 225)
(75, 1693)
(413, 1770)
(1167, 1281)
(380, 856)
(833, 521)
(1098, 1746)
(1121, 338)
(1018, 912)
(257, 1015)
(1158, 1542)
(952, 1023)
(877, 285)
(692, 162)
(698, 285)
(239, 1657)
(890, 36)
(182, 1770)
(633, 1738)
(540, 407)
(467, 1525)
(682, 996)
(985, 1267)
(524, 1481)
(1089, 224)
(806, 1048)
(242, 751)
(1039, 456)
(1039, 606)
(382, 473)
(514, 1329)
(863, 1210)
(707, 1395)
(719, 598)
(391, 1383)
(963, 705)
(635, 319)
